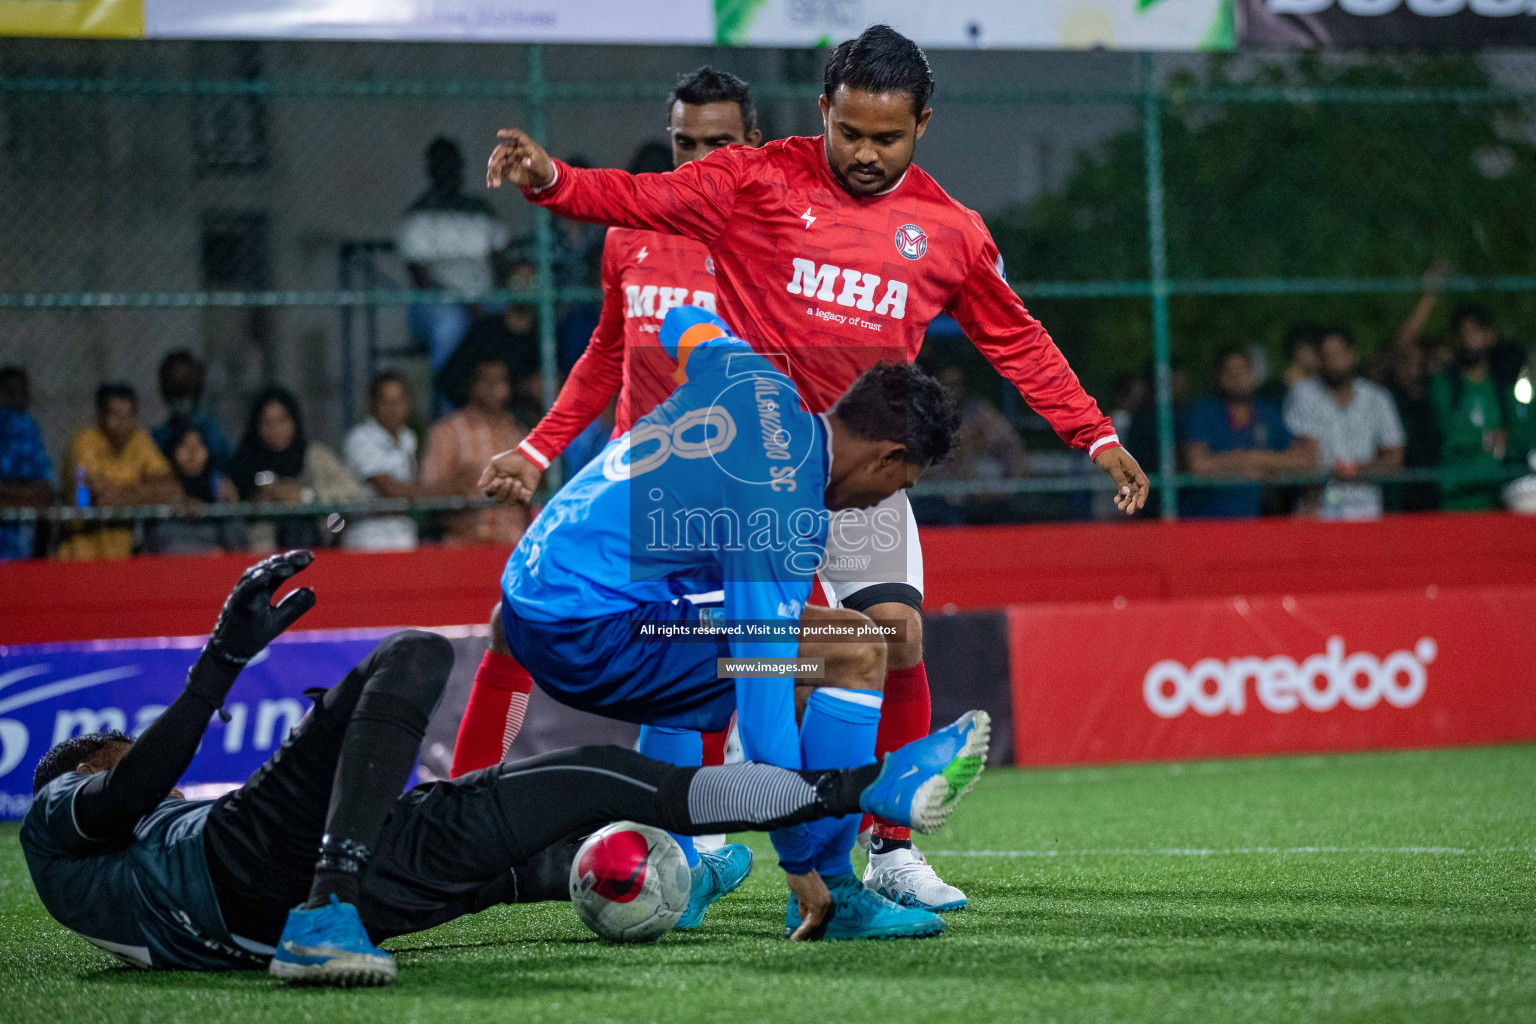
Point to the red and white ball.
(630, 882)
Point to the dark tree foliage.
(1294, 189)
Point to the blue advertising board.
(49, 692)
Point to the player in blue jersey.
(729, 484)
(319, 855)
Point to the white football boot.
(905, 877)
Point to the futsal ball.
(630, 882)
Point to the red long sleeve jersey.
(830, 283)
(645, 273)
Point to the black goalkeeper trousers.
(499, 835)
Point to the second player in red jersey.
(645, 273)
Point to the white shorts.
(870, 546)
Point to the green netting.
(238, 202)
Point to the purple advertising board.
(49, 692)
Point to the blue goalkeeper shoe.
(920, 784)
(717, 873)
(861, 913)
(329, 946)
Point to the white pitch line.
(1240, 851)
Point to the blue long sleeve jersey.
(720, 486)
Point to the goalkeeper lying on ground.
(319, 855)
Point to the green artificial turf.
(1381, 887)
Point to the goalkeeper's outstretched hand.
(249, 620)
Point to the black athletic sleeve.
(113, 802)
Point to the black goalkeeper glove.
(248, 622)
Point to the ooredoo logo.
(1360, 680)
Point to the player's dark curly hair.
(706, 85)
(881, 60)
(898, 402)
(77, 750)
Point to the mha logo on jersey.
(858, 289)
(654, 301)
(911, 241)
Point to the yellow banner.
(101, 19)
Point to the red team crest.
(911, 241)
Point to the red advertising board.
(1157, 680)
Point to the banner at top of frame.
(966, 24)
(1417, 24)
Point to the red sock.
(497, 704)
(905, 716)
(714, 747)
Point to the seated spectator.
(1355, 425)
(510, 336)
(1473, 398)
(117, 463)
(1144, 440)
(1409, 387)
(458, 449)
(381, 452)
(1131, 393)
(192, 463)
(1301, 355)
(277, 463)
(987, 447)
(26, 472)
(181, 388)
(1232, 433)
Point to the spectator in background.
(276, 462)
(1143, 440)
(26, 472)
(510, 337)
(458, 449)
(448, 241)
(578, 247)
(1232, 433)
(1301, 363)
(1408, 385)
(987, 448)
(381, 452)
(201, 484)
(1354, 424)
(1438, 354)
(1130, 399)
(1482, 425)
(182, 376)
(116, 461)
(986, 445)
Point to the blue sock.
(838, 731)
(679, 747)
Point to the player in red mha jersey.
(834, 252)
(645, 274)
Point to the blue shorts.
(594, 665)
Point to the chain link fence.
(242, 201)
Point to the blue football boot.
(718, 872)
(329, 946)
(860, 913)
(920, 784)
